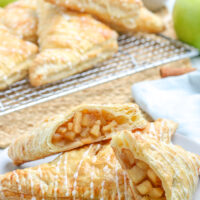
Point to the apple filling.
(146, 182)
(86, 125)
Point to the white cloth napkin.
(175, 98)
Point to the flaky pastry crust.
(21, 19)
(15, 57)
(70, 43)
(168, 171)
(125, 16)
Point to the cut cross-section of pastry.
(90, 172)
(123, 15)
(85, 124)
(15, 57)
(156, 170)
(70, 43)
(86, 173)
(21, 19)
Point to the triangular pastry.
(15, 57)
(123, 15)
(85, 124)
(21, 19)
(70, 43)
(158, 170)
(90, 172)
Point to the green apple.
(186, 16)
(5, 2)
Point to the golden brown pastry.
(15, 57)
(90, 172)
(156, 170)
(85, 124)
(21, 19)
(70, 43)
(123, 15)
(86, 173)
(161, 129)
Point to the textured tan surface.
(118, 91)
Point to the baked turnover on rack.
(21, 19)
(123, 15)
(90, 172)
(15, 57)
(70, 43)
(157, 170)
(85, 124)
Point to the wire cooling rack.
(136, 53)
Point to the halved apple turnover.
(90, 172)
(123, 15)
(85, 124)
(156, 170)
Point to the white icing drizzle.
(76, 173)
(102, 190)
(174, 156)
(152, 130)
(56, 177)
(1, 192)
(92, 184)
(66, 178)
(161, 129)
(32, 185)
(42, 190)
(117, 183)
(125, 185)
(17, 180)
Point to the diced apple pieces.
(88, 120)
(70, 126)
(156, 192)
(62, 130)
(128, 158)
(70, 135)
(77, 122)
(109, 127)
(144, 188)
(138, 174)
(85, 132)
(95, 130)
(153, 177)
(142, 165)
(57, 138)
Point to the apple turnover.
(90, 172)
(124, 16)
(157, 170)
(85, 124)
(21, 19)
(15, 57)
(70, 43)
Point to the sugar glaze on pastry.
(70, 43)
(90, 172)
(157, 169)
(126, 16)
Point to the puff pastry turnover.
(21, 18)
(70, 43)
(90, 172)
(85, 124)
(15, 57)
(122, 15)
(157, 170)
